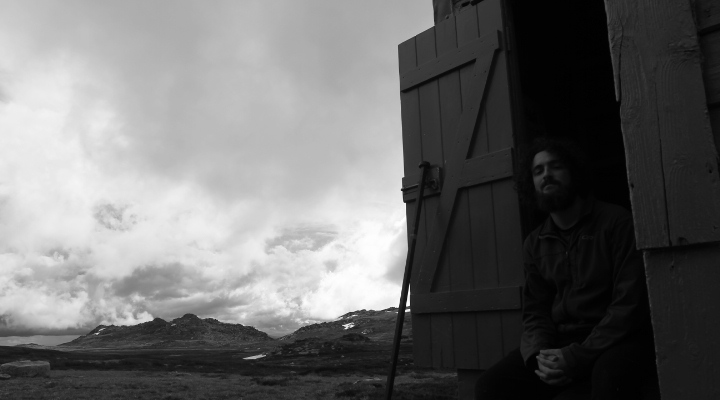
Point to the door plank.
(412, 154)
(457, 257)
(671, 157)
(685, 303)
(498, 110)
(440, 221)
(432, 145)
(502, 298)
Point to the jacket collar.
(549, 228)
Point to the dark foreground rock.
(26, 368)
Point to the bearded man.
(586, 321)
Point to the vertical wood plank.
(450, 108)
(458, 248)
(467, 28)
(685, 303)
(409, 111)
(690, 161)
(498, 110)
(656, 60)
(431, 127)
(488, 333)
(638, 112)
(482, 220)
(481, 211)
(507, 234)
(501, 128)
(412, 154)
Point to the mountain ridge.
(190, 331)
(186, 331)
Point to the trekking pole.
(406, 283)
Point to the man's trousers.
(618, 374)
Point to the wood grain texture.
(458, 121)
(502, 298)
(486, 168)
(449, 61)
(685, 304)
(500, 118)
(412, 154)
(456, 250)
(671, 157)
(459, 240)
(456, 162)
(433, 151)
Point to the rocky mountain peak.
(186, 331)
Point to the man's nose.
(545, 174)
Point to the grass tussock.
(91, 385)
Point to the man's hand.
(551, 367)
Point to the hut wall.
(666, 56)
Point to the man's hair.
(567, 151)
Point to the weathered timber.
(685, 304)
(454, 172)
(671, 157)
(504, 298)
(458, 243)
(433, 151)
(412, 155)
(477, 170)
(462, 122)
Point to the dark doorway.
(567, 85)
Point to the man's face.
(553, 185)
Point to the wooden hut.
(636, 82)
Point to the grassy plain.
(89, 384)
(353, 371)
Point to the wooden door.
(457, 113)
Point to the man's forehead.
(544, 157)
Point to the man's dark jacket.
(591, 286)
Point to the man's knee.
(508, 379)
(618, 378)
(486, 386)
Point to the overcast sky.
(239, 160)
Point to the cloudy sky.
(239, 160)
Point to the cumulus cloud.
(236, 160)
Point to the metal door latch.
(432, 180)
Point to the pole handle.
(424, 165)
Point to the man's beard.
(561, 199)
